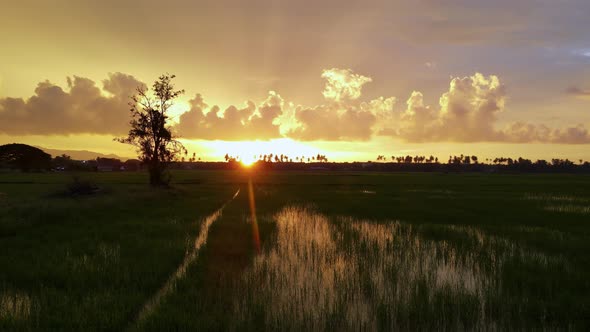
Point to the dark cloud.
(82, 108)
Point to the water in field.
(322, 273)
(14, 306)
(562, 203)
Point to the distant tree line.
(28, 158)
(472, 163)
(269, 158)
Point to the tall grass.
(339, 251)
(324, 273)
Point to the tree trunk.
(155, 174)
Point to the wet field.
(297, 251)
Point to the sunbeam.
(253, 220)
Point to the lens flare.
(254, 221)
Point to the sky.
(348, 79)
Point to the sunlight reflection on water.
(569, 204)
(568, 209)
(368, 192)
(344, 273)
(554, 198)
(15, 306)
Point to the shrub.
(81, 187)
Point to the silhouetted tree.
(64, 162)
(150, 132)
(24, 157)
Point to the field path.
(149, 307)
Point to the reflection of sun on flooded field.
(562, 203)
(14, 306)
(344, 273)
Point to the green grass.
(487, 251)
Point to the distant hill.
(81, 154)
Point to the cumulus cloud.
(343, 117)
(81, 108)
(525, 132)
(330, 123)
(416, 121)
(249, 122)
(469, 109)
(468, 112)
(343, 84)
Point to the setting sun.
(247, 160)
(249, 152)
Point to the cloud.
(343, 117)
(333, 123)
(468, 112)
(524, 133)
(82, 108)
(247, 123)
(520, 132)
(469, 109)
(417, 120)
(343, 85)
(571, 135)
(578, 92)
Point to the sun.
(248, 152)
(247, 160)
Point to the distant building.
(108, 164)
(131, 165)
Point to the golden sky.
(349, 79)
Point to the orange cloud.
(79, 109)
(343, 117)
(525, 132)
(250, 122)
(468, 112)
(343, 84)
(333, 123)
